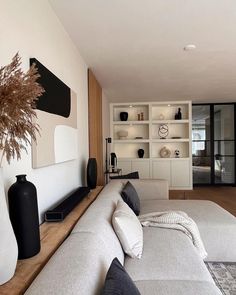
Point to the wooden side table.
(52, 235)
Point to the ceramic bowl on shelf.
(122, 134)
(165, 152)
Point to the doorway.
(213, 144)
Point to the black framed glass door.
(201, 148)
(213, 144)
(224, 144)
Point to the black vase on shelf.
(92, 173)
(140, 153)
(178, 116)
(23, 211)
(124, 116)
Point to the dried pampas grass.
(18, 94)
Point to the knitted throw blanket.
(177, 220)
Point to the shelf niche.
(132, 110)
(133, 131)
(131, 150)
(183, 147)
(175, 130)
(168, 111)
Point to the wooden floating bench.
(52, 235)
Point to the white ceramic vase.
(8, 244)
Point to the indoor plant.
(18, 94)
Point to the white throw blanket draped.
(176, 220)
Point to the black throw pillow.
(118, 282)
(132, 175)
(130, 197)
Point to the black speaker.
(92, 173)
(64, 208)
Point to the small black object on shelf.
(66, 206)
(140, 153)
(92, 173)
(108, 140)
(178, 116)
(23, 211)
(113, 161)
(124, 116)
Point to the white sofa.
(169, 264)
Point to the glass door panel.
(224, 144)
(224, 148)
(224, 169)
(224, 122)
(213, 144)
(201, 148)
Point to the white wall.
(32, 28)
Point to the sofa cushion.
(128, 230)
(79, 266)
(171, 287)
(112, 190)
(118, 281)
(217, 227)
(98, 221)
(167, 255)
(147, 189)
(130, 196)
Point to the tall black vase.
(92, 173)
(23, 210)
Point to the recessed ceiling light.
(168, 105)
(189, 47)
(130, 106)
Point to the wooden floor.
(224, 196)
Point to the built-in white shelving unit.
(143, 134)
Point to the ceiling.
(135, 47)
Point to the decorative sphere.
(163, 131)
(177, 153)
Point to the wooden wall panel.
(95, 124)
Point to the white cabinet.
(143, 168)
(131, 165)
(125, 165)
(180, 176)
(161, 169)
(176, 171)
(142, 130)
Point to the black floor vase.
(23, 209)
(92, 173)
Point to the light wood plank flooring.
(223, 196)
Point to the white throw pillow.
(128, 229)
